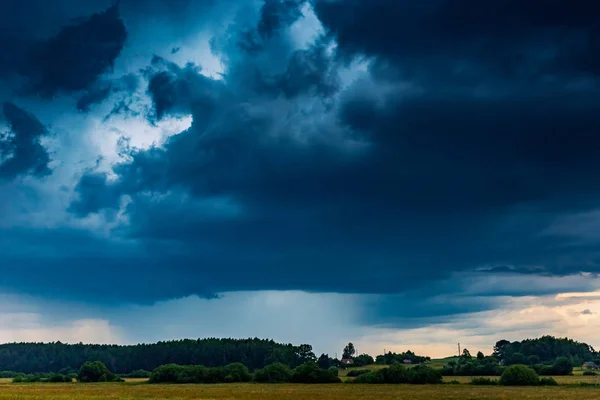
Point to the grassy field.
(133, 391)
(574, 379)
(561, 380)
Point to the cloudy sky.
(404, 175)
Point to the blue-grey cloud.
(77, 55)
(448, 150)
(21, 152)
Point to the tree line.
(67, 358)
(546, 355)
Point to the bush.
(140, 373)
(483, 381)
(58, 378)
(421, 374)
(30, 378)
(454, 382)
(533, 360)
(236, 372)
(311, 373)
(8, 374)
(396, 373)
(519, 375)
(562, 366)
(548, 382)
(95, 372)
(173, 373)
(371, 377)
(589, 373)
(165, 373)
(545, 370)
(363, 359)
(274, 373)
(17, 379)
(358, 372)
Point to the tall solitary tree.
(349, 351)
(323, 361)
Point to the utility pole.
(459, 349)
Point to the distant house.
(407, 361)
(590, 365)
(347, 361)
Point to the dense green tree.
(94, 372)
(390, 358)
(349, 351)
(499, 348)
(480, 356)
(304, 353)
(519, 375)
(516, 358)
(363, 359)
(311, 373)
(562, 366)
(324, 361)
(533, 359)
(274, 373)
(236, 372)
(397, 374)
(547, 348)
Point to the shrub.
(17, 379)
(311, 373)
(363, 359)
(173, 373)
(30, 378)
(358, 372)
(545, 370)
(215, 375)
(396, 373)
(519, 375)
(589, 373)
(548, 382)
(454, 382)
(140, 373)
(95, 372)
(8, 374)
(58, 378)
(562, 366)
(274, 373)
(165, 373)
(236, 372)
(371, 377)
(483, 381)
(421, 374)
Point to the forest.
(547, 355)
(64, 358)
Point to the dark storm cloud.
(277, 14)
(74, 58)
(449, 155)
(413, 185)
(506, 38)
(21, 152)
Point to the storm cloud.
(379, 147)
